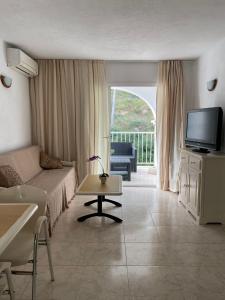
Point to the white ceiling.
(113, 29)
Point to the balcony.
(144, 142)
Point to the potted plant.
(103, 176)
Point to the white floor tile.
(157, 253)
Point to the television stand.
(201, 186)
(200, 150)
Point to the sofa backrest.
(25, 161)
(121, 148)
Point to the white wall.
(15, 120)
(190, 84)
(212, 65)
(209, 66)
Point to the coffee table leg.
(113, 202)
(90, 202)
(105, 200)
(100, 199)
(83, 218)
(99, 213)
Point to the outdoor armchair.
(125, 150)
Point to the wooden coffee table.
(91, 185)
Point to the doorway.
(133, 120)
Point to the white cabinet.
(194, 191)
(202, 186)
(184, 186)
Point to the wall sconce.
(211, 85)
(6, 81)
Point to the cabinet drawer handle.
(186, 185)
(193, 162)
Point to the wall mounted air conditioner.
(21, 62)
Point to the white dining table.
(13, 217)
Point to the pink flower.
(94, 157)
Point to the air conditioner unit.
(21, 62)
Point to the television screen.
(204, 128)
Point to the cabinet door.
(194, 192)
(184, 186)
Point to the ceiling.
(113, 29)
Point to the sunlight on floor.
(145, 176)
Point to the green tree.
(131, 113)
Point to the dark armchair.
(125, 150)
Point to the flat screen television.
(203, 130)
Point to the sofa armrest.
(69, 163)
(72, 164)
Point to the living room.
(161, 241)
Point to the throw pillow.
(47, 162)
(9, 177)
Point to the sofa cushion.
(25, 161)
(9, 177)
(49, 180)
(60, 186)
(47, 162)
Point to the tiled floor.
(156, 253)
(145, 176)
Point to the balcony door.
(133, 120)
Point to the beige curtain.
(169, 123)
(70, 115)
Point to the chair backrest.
(25, 238)
(121, 148)
(26, 194)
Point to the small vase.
(103, 178)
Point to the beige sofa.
(59, 184)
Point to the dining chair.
(24, 247)
(5, 268)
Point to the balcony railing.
(144, 142)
